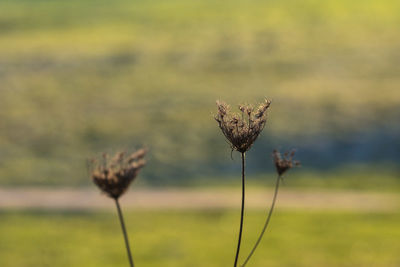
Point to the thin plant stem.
(242, 209)
(266, 222)
(121, 219)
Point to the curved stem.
(242, 210)
(121, 219)
(266, 222)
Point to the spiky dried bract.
(241, 130)
(114, 175)
(284, 163)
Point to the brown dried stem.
(266, 222)
(121, 219)
(242, 210)
(282, 165)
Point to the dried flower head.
(284, 163)
(114, 175)
(241, 130)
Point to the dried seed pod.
(113, 176)
(284, 163)
(242, 130)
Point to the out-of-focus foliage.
(79, 77)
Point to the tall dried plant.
(113, 176)
(241, 130)
(282, 165)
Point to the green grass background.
(206, 238)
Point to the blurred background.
(81, 77)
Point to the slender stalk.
(121, 219)
(266, 222)
(242, 209)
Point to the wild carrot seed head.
(114, 175)
(242, 129)
(284, 163)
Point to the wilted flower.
(113, 176)
(241, 130)
(284, 163)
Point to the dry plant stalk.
(241, 131)
(282, 165)
(113, 176)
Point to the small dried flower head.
(284, 163)
(241, 130)
(114, 175)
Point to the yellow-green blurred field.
(79, 77)
(175, 238)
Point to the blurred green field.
(184, 238)
(79, 77)
(355, 178)
(361, 178)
